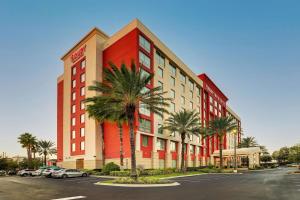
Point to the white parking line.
(70, 198)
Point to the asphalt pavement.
(262, 185)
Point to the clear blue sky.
(251, 50)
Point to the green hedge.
(109, 167)
(120, 173)
(142, 180)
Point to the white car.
(48, 172)
(37, 172)
(66, 173)
(25, 172)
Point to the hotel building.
(84, 143)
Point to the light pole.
(235, 158)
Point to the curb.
(138, 185)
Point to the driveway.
(264, 185)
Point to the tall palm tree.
(126, 88)
(46, 148)
(100, 110)
(185, 123)
(27, 141)
(221, 126)
(248, 142)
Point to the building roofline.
(204, 77)
(232, 112)
(92, 32)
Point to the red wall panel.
(60, 100)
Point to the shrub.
(143, 180)
(110, 167)
(192, 169)
(210, 170)
(119, 173)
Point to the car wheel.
(25, 175)
(84, 174)
(64, 176)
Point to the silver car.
(65, 173)
(25, 172)
(49, 171)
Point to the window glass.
(82, 77)
(82, 145)
(160, 60)
(172, 94)
(82, 118)
(172, 81)
(198, 91)
(74, 83)
(182, 88)
(144, 73)
(145, 140)
(192, 149)
(82, 105)
(160, 72)
(82, 91)
(144, 60)
(172, 70)
(73, 147)
(161, 85)
(191, 85)
(73, 108)
(73, 96)
(191, 94)
(82, 132)
(73, 121)
(172, 107)
(160, 144)
(82, 64)
(144, 43)
(198, 100)
(182, 101)
(145, 125)
(73, 70)
(191, 105)
(73, 134)
(172, 146)
(159, 128)
(144, 109)
(182, 77)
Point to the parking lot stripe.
(70, 198)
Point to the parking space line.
(70, 198)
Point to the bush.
(119, 173)
(110, 167)
(192, 169)
(210, 170)
(143, 180)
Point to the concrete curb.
(138, 185)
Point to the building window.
(198, 91)
(172, 94)
(73, 147)
(182, 100)
(161, 85)
(82, 64)
(73, 108)
(74, 71)
(73, 121)
(191, 94)
(145, 141)
(172, 146)
(144, 43)
(182, 88)
(159, 128)
(172, 70)
(159, 59)
(182, 77)
(82, 77)
(198, 100)
(210, 99)
(74, 83)
(160, 144)
(199, 109)
(145, 125)
(144, 60)
(191, 105)
(82, 132)
(82, 106)
(73, 96)
(73, 134)
(144, 109)
(82, 91)
(172, 106)
(82, 118)
(160, 72)
(172, 81)
(192, 149)
(144, 73)
(191, 85)
(82, 145)
(174, 163)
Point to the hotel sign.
(78, 54)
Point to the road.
(264, 185)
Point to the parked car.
(66, 173)
(2, 173)
(48, 172)
(25, 172)
(11, 172)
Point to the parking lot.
(269, 184)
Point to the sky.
(250, 49)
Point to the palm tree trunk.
(132, 148)
(121, 146)
(221, 151)
(45, 159)
(182, 167)
(28, 154)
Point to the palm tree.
(126, 89)
(248, 142)
(27, 141)
(185, 123)
(101, 111)
(46, 148)
(221, 126)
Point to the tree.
(275, 155)
(221, 126)
(294, 154)
(185, 123)
(283, 155)
(100, 110)
(265, 158)
(248, 142)
(46, 148)
(27, 141)
(126, 88)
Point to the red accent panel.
(162, 153)
(60, 108)
(175, 153)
